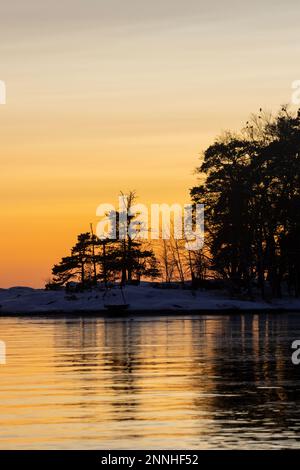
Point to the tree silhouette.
(113, 259)
(251, 192)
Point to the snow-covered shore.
(24, 300)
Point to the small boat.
(114, 299)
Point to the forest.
(249, 183)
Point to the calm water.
(150, 382)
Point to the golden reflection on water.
(150, 382)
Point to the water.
(194, 382)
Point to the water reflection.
(150, 382)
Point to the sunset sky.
(104, 95)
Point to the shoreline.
(152, 313)
(143, 300)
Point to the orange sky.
(103, 96)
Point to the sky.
(110, 95)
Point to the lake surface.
(194, 382)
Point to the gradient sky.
(104, 95)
